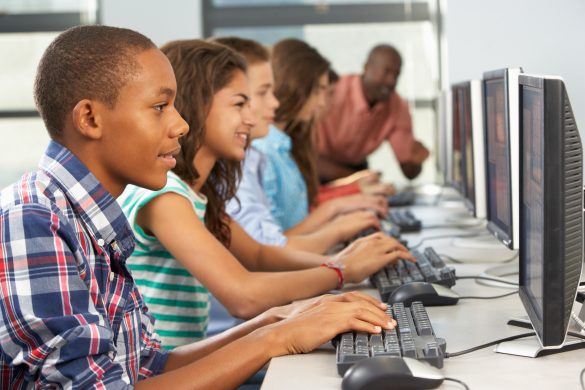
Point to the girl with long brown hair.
(185, 250)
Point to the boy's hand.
(317, 321)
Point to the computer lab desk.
(469, 323)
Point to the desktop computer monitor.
(551, 207)
(455, 140)
(442, 141)
(500, 92)
(472, 145)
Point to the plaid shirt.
(72, 316)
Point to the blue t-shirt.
(253, 211)
(282, 180)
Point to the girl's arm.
(171, 219)
(339, 230)
(326, 211)
(259, 257)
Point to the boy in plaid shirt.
(72, 316)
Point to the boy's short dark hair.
(85, 62)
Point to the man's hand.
(418, 155)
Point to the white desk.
(467, 324)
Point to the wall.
(161, 22)
(542, 36)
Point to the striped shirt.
(178, 301)
(71, 315)
(282, 180)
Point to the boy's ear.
(86, 119)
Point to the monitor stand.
(531, 347)
(501, 272)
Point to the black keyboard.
(413, 337)
(405, 220)
(429, 267)
(403, 198)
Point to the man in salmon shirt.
(365, 111)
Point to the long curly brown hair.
(297, 69)
(202, 69)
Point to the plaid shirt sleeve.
(51, 327)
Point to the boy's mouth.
(169, 157)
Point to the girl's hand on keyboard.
(378, 189)
(367, 255)
(350, 203)
(317, 321)
(349, 225)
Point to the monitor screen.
(500, 91)
(532, 207)
(456, 164)
(498, 160)
(551, 207)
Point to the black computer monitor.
(500, 92)
(551, 211)
(456, 135)
(442, 136)
(472, 146)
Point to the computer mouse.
(429, 294)
(388, 372)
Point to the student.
(366, 110)
(251, 208)
(72, 316)
(289, 177)
(186, 243)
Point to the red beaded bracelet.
(337, 268)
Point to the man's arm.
(331, 170)
(413, 166)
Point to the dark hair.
(85, 62)
(297, 69)
(384, 47)
(252, 51)
(202, 69)
(333, 76)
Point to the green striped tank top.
(178, 301)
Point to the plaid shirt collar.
(95, 206)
